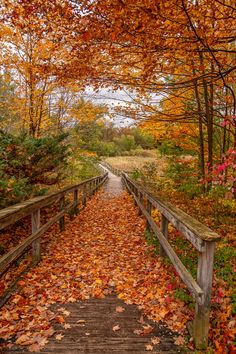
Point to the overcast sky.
(114, 99)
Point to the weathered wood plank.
(202, 311)
(149, 210)
(62, 207)
(16, 252)
(191, 284)
(95, 335)
(18, 211)
(202, 238)
(13, 286)
(36, 246)
(164, 230)
(76, 202)
(191, 228)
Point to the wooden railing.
(9, 216)
(200, 236)
(114, 170)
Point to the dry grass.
(129, 163)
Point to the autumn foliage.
(176, 60)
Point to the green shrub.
(185, 178)
(136, 174)
(27, 163)
(106, 148)
(125, 143)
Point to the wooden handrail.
(32, 207)
(18, 211)
(192, 229)
(114, 170)
(200, 236)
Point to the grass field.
(130, 163)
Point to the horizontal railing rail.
(201, 237)
(114, 170)
(10, 215)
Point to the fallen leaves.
(24, 339)
(149, 347)
(180, 340)
(67, 326)
(120, 309)
(144, 331)
(81, 321)
(155, 340)
(103, 249)
(116, 328)
(34, 341)
(59, 336)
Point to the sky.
(118, 98)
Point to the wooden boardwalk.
(92, 323)
(113, 186)
(106, 325)
(101, 250)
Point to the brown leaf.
(149, 347)
(34, 347)
(141, 320)
(48, 332)
(24, 339)
(116, 328)
(179, 340)
(67, 326)
(120, 309)
(155, 340)
(59, 336)
(147, 329)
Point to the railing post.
(84, 198)
(141, 201)
(149, 210)
(76, 209)
(62, 219)
(135, 193)
(164, 230)
(36, 246)
(92, 187)
(202, 310)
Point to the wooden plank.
(75, 209)
(13, 286)
(62, 219)
(96, 335)
(164, 230)
(202, 311)
(12, 214)
(18, 211)
(149, 210)
(36, 246)
(191, 284)
(16, 252)
(192, 229)
(84, 198)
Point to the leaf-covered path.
(102, 266)
(113, 187)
